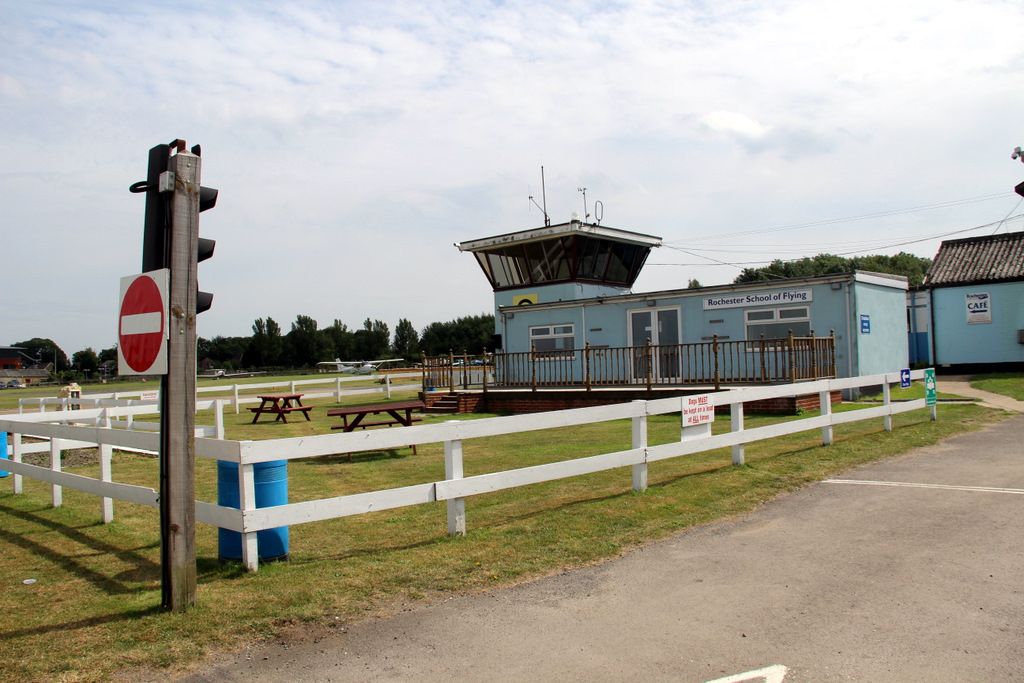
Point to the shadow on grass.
(66, 626)
(364, 456)
(146, 570)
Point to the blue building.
(975, 304)
(563, 298)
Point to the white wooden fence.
(237, 395)
(454, 488)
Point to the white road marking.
(775, 673)
(944, 487)
(141, 323)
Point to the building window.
(553, 341)
(776, 323)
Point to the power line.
(861, 217)
(740, 264)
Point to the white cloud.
(734, 124)
(354, 142)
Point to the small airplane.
(218, 374)
(356, 367)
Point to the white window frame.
(775, 320)
(555, 354)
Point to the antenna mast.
(586, 214)
(544, 198)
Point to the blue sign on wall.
(865, 324)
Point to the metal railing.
(710, 363)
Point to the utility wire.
(845, 219)
(739, 264)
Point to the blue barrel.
(3, 453)
(271, 489)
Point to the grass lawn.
(94, 608)
(914, 391)
(1006, 383)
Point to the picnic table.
(280, 405)
(394, 413)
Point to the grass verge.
(97, 589)
(1006, 383)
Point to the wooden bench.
(280, 405)
(400, 413)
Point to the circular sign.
(141, 324)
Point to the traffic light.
(159, 187)
(204, 246)
(157, 231)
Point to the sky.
(353, 143)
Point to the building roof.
(974, 260)
(573, 227)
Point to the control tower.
(563, 262)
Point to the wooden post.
(764, 360)
(247, 503)
(178, 394)
(56, 491)
(792, 357)
(586, 365)
(648, 370)
(451, 371)
(887, 402)
(16, 456)
(814, 357)
(825, 407)
(714, 350)
(237, 408)
(640, 441)
(533, 367)
(106, 473)
(832, 353)
(218, 418)
(453, 470)
(483, 370)
(736, 425)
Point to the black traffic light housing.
(156, 237)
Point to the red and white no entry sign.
(142, 324)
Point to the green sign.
(929, 387)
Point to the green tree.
(407, 340)
(338, 340)
(694, 283)
(908, 265)
(266, 344)
(373, 341)
(470, 333)
(303, 345)
(86, 361)
(224, 352)
(45, 351)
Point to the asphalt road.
(836, 582)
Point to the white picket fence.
(454, 488)
(236, 395)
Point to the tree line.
(303, 346)
(306, 343)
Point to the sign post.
(178, 395)
(905, 378)
(929, 390)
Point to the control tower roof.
(567, 252)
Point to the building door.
(661, 326)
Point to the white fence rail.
(236, 395)
(454, 488)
